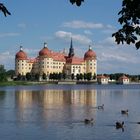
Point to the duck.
(101, 106)
(124, 112)
(88, 121)
(119, 125)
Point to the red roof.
(74, 60)
(90, 54)
(123, 77)
(32, 60)
(44, 52)
(103, 77)
(21, 55)
(54, 55)
(58, 56)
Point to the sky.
(33, 22)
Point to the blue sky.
(34, 22)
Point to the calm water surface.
(56, 112)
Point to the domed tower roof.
(21, 55)
(45, 51)
(90, 54)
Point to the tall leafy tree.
(44, 76)
(72, 76)
(130, 21)
(89, 76)
(77, 2)
(4, 10)
(28, 76)
(2, 74)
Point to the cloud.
(109, 41)
(7, 59)
(88, 32)
(22, 25)
(112, 61)
(8, 34)
(110, 56)
(77, 37)
(82, 24)
(32, 52)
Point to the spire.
(71, 50)
(45, 45)
(90, 48)
(71, 44)
(21, 49)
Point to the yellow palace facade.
(48, 61)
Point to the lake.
(57, 112)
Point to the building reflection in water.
(58, 105)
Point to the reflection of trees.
(2, 95)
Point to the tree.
(60, 75)
(89, 76)
(3, 77)
(94, 76)
(130, 21)
(28, 76)
(2, 70)
(37, 76)
(72, 76)
(78, 2)
(10, 72)
(2, 74)
(64, 75)
(4, 10)
(19, 77)
(44, 76)
(77, 76)
(81, 76)
(85, 76)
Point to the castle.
(49, 62)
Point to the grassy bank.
(14, 83)
(27, 83)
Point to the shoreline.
(66, 82)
